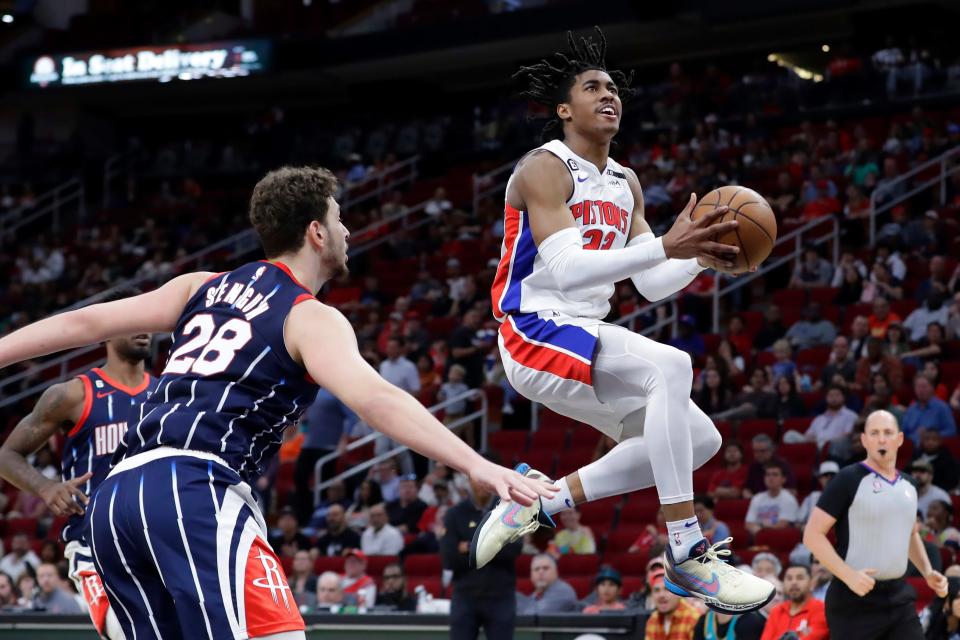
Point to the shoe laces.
(716, 556)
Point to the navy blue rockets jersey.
(91, 443)
(230, 387)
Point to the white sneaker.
(722, 587)
(507, 522)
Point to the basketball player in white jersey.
(574, 226)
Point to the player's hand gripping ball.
(756, 232)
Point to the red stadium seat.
(423, 564)
(576, 564)
(641, 508)
(924, 593)
(750, 428)
(375, 564)
(328, 563)
(509, 442)
(620, 540)
(953, 444)
(627, 564)
(583, 585)
(583, 436)
(816, 356)
(599, 514)
(548, 439)
(630, 585)
(523, 565)
(22, 525)
(780, 540)
(732, 510)
(572, 459)
(796, 424)
(540, 460)
(524, 584)
(803, 453)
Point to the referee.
(875, 511)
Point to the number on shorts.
(222, 345)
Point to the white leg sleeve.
(627, 466)
(629, 365)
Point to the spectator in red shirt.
(729, 481)
(800, 613)
(881, 318)
(738, 337)
(823, 205)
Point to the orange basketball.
(757, 231)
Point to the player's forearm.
(822, 550)
(666, 277)
(918, 555)
(50, 335)
(400, 417)
(574, 267)
(15, 469)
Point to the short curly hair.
(285, 201)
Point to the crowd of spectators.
(802, 358)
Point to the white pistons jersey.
(601, 206)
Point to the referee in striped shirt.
(874, 509)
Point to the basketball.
(757, 231)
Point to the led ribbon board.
(225, 59)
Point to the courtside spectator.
(812, 271)
(939, 517)
(946, 474)
(467, 350)
(882, 317)
(337, 536)
(574, 537)
(766, 565)
(453, 387)
(713, 530)
(8, 593)
(828, 469)
(394, 593)
(771, 329)
(713, 625)
(788, 404)
(287, 538)
(607, 591)
(303, 581)
(387, 475)
(783, 364)
(688, 338)
(673, 618)
(933, 309)
(729, 481)
(330, 591)
(774, 508)
(859, 335)
(801, 612)
(326, 425)
(355, 581)
(51, 596)
(877, 361)
(927, 412)
(550, 594)
(755, 400)
(405, 512)
(380, 538)
(764, 451)
(841, 368)
(927, 492)
(812, 329)
(834, 424)
(21, 557)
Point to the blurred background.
(131, 135)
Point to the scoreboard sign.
(226, 59)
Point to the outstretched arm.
(60, 405)
(322, 339)
(153, 312)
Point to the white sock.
(682, 535)
(560, 502)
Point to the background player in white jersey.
(574, 226)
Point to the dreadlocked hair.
(549, 83)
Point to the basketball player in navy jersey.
(175, 533)
(93, 411)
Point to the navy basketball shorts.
(182, 550)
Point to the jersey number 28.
(219, 345)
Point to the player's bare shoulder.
(539, 172)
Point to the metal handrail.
(942, 179)
(479, 179)
(49, 203)
(384, 180)
(473, 394)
